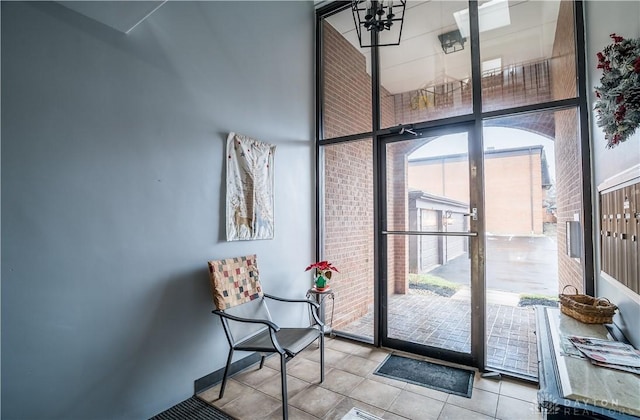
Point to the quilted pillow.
(234, 281)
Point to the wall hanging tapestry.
(249, 188)
(618, 98)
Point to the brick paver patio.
(445, 322)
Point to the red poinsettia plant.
(323, 268)
(323, 271)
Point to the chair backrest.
(236, 290)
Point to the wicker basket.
(586, 308)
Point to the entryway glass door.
(427, 233)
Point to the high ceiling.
(419, 60)
(122, 16)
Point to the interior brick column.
(567, 142)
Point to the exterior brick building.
(516, 180)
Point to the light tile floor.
(350, 382)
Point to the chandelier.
(378, 16)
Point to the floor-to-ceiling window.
(444, 170)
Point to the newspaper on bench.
(607, 353)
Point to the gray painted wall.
(601, 19)
(113, 199)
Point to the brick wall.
(446, 177)
(348, 227)
(569, 194)
(348, 180)
(568, 153)
(513, 194)
(542, 123)
(347, 87)
(397, 200)
(513, 187)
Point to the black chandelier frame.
(374, 17)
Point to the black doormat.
(192, 409)
(443, 378)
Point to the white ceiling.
(122, 16)
(419, 60)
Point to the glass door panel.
(347, 235)
(429, 305)
(532, 176)
(428, 265)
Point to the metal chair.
(242, 308)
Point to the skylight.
(491, 15)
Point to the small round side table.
(320, 296)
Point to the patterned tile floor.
(350, 382)
(445, 322)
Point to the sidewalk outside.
(446, 322)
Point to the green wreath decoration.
(618, 97)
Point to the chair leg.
(283, 377)
(261, 361)
(321, 357)
(226, 372)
